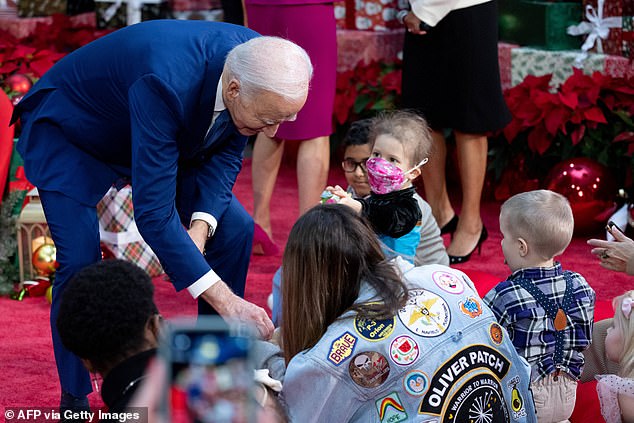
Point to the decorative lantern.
(32, 232)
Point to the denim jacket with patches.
(442, 358)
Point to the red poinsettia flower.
(366, 89)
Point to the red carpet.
(28, 368)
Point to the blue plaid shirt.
(530, 328)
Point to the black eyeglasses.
(350, 165)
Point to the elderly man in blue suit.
(166, 106)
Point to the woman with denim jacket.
(369, 339)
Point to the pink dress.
(608, 389)
(310, 24)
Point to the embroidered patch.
(481, 359)
(448, 282)
(403, 350)
(517, 402)
(471, 307)
(369, 369)
(416, 383)
(479, 399)
(342, 348)
(391, 409)
(496, 332)
(425, 313)
(374, 330)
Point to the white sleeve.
(433, 11)
(201, 285)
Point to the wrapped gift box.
(504, 59)
(619, 39)
(194, 5)
(539, 24)
(117, 14)
(370, 15)
(627, 35)
(356, 48)
(24, 27)
(119, 233)
(529, 61)
(33, 8)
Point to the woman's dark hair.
(104, 311)
(329, 253)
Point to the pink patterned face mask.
(384, 177)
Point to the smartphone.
(210, 371)
(611, 226)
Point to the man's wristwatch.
(210, 231)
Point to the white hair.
(270, 64)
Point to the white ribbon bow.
(597, 28)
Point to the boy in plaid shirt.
(547, 312)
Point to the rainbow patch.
(390, 409)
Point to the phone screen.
(211, 376)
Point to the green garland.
(9, 273)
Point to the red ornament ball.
(589, 187)
(44, 259)
(106, 252)
(18, 83)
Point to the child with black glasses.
(412, 232)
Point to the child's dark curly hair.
(104, 311)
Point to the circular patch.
(496, 333)
(471, 307)
(369, 369)
(416, 383)
(448, 282)
(425, 313)
(403, 350)
(374, 330)
(480, 400)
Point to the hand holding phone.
(617, 255)
(210, 373)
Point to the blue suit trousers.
(75, 231)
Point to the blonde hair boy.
(540, 223)
(548, 312)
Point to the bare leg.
(313, 161)
(435, 183)
(472, 162)
(267, 156)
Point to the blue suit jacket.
(137, 104)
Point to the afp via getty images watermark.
(45, 415)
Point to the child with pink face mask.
(401, 142)
(616, 393)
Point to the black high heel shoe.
(463, 259)
(450, 227)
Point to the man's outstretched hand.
(232, 307)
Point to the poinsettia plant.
(367, 89)
(586, 116)
(34, 55)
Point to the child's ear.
(414, 174)
(522, 247)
